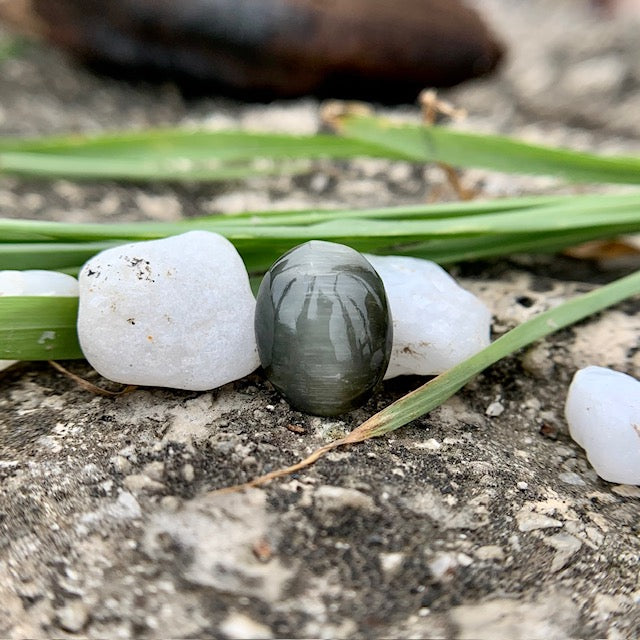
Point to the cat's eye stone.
(323, 327)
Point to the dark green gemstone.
(323, 327)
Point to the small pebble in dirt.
(35, 283)
(603, 412)
(436, 323)
(176, 312)
(73, 616)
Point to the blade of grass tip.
(433, 143)
(441, 388)
(433, 393)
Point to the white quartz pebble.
(176, 312)
(35, 282)
(436, 323)
(603, 412)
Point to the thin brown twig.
(359, 434)
(431, 107)
(89, 386)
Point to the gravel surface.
(480, 520)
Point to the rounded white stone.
(35, 282)
(603, 413)
(176, 312)
(436, 323)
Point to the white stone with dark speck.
(176, 312)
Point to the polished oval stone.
(323, 327)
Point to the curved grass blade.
(444, 233)
(441, 388)
(206, 155)
(425, 143)
(608, 213)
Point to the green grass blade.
(174, 154)
(438, 390)
(435, 392)
(38, 328)
(187, 143)
(607, 213)
(205, 155)
(444, 233)
(55, 256)
(150, 167)
(433, 143)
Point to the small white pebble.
(443, 565)
(603, 413)
(571, 478)
(495, 409)
(391, 562)
(237, 626)
(523, 486)
(37, 283)
(431, 445)
(73, 616)
(489, 552)
(188, 473)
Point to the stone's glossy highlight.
(603, 412)
(176, 312)
(323, 327)
(436, 323)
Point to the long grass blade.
(204, 155)
(415, 222)
(424, 143)
(444, 233)
(441, 388)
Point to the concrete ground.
(482, 519)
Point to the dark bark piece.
(349, 48)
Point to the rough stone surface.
(436, 323)
(424, 540)
(176, 312)
(603, 413)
